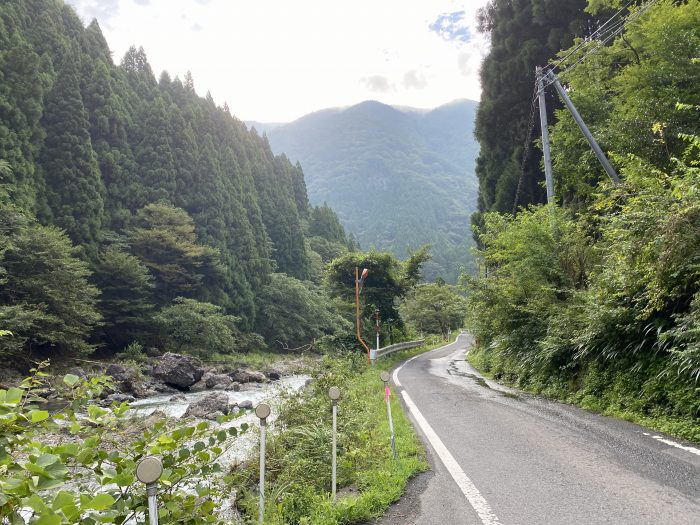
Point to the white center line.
(476, 500)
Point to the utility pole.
(584, 129)
(545, 137)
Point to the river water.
(270, 393)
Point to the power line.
(590, 38)
(612, 27)
(613, 31)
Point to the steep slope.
(143, 175)
(397, 177)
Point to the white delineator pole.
(334, 394)
(387, 393)
(148, 471)
(262, 411)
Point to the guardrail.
(398, 346)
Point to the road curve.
(501, 457)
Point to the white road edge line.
(692, 450)
(476, 500)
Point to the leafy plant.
(77, 465)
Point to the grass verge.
(644, 399)
(298, 456)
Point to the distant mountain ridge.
(397, 177)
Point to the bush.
(75, 468)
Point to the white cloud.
(378, 84)
(102, 10)
(275, 60)
(414, 80)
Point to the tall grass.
(299, 449)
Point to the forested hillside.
(164, 198)
(597, 299)
(397, 177)
(523, 34)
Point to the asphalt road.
(503, 457)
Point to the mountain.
(397, 177)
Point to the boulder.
(177, 370)
(246, 404)
(126, 379)
(120, 373)
(212, 380)
(199, 386)
(209, 406)
(77, 371)
(243, 375)
(159, 388)
(273, 374)
(178, 397)
(234, 387)
(120, 398)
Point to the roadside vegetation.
(76, 464)
(299, 449)
(597, 300)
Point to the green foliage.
(74, 188)
(388, 280)
(554, 303)
(116, 158)
(523, 34)
(198, 328)
(324, 223)
(598, 303)
(133, 352)
(90, 478)
(164, 239)
(45, 294)
(433, 308)
(628, 93)
(125, 302)
(293, 313)
(298, 454)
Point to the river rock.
(120, 398)
(178, 397)
(177, 370)
(120, 373)
(234, 387)
(243, 375)
(273, 374)
(246, 404)
(77, 371)
(199, 386)
(214, 380)
(126, 379)
(208, 406)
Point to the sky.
(276, 60)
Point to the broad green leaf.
(71, 379)
(62, 499)
(101, 502)
(49, 519)
(13, 396)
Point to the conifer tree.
(125, 301)
(164, 239)
(74, 187)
